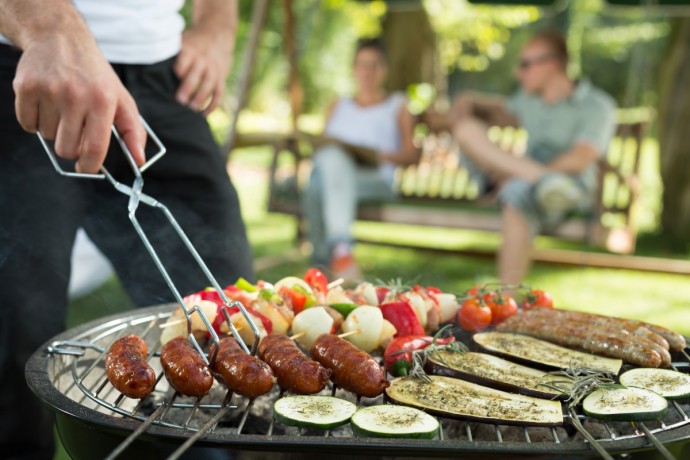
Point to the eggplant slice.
(495, 372)
(458, 399)
(540, 352)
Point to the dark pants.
(41, 211)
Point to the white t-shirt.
(133, 31)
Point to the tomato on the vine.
(502, 306)
(536, 298)
(474, 291)
(474, 316)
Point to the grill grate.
(81, 377)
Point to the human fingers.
(26, 103)
(190, 83)
(128, 123)
(69, 134)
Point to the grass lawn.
(658, 298)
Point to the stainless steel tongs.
(136, 196)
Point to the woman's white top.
(133, 31)
(374, 126)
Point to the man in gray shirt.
(569, 126)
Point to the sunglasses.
(525, 64)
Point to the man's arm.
(408, 153)
(206, 55)
(65, 89)
(488, 108)
(576, 160)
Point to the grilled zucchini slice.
(320, 412)
(625, 404)
(669, 384)
(390, 421)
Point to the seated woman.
(371, 119)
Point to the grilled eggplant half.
(458, 399)
(542, 353)
(498, 373)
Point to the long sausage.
(185, 368)
(661, 335)
(127, 369)
(242, 373)
(353, 369)
(576, 335)
(294, 370)
(608, 329)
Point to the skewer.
(208, 426)
(158, 413)
(655, 441)
(298, 335)
(342, 336)
(596, 445)
(335, 283)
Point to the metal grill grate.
(81, 377)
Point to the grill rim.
(38, 380)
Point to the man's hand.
(206, 54)
(64, 87)
(69, 93)
(202, 65)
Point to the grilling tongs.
(136, 196)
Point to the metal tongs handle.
(137, 196)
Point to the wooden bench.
(437, 191)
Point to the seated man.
(569, 126)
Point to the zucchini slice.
(320, 412)
(625, 404)
(669, 384)
(544, 353)
(455, 398)
(390, 421)
(496, 372)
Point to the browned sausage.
(127, 369)
(353, 369)
(242, 373)
(579, 335)
(608, 329)
(185, 368)
(295, 371)
(661, 335)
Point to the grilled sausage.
(185, 368)
(579, 335)
(609, 329)
(127, 369)
(242, 373)
(294, 370)
(661, 335)
(353, 369)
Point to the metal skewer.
(655, 441)
(596, 445)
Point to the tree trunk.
(674, 144)
(411, 46)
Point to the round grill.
(93, 418)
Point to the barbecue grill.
(68, 375)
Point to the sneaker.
(345, 267)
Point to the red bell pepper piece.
(295, 299)
(395, 351)
(317, 280)
(402, 316)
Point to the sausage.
(294, 370)
(127, 369)
(185, 368)
(661, 335)
(579, 335)
(353, 369)
(241, 372)
(610, 329)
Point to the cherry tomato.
(537, 298)
(474, 316)
(316, 279)
(474, 291)
(502, 306)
